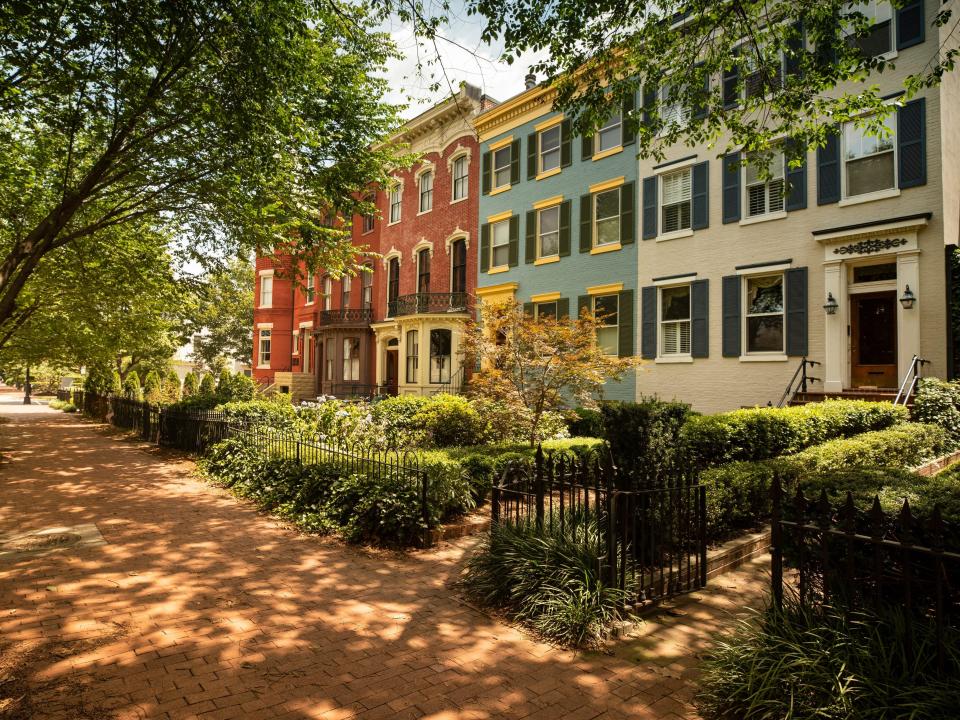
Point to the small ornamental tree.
(190, 385)
(152, 389)
(116, 384)
(207, 386)
(131, 386)
(539, 364)
(171, 388)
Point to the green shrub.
(152, 391)
(585, 422)
(938, 401)
(69, 407)
(450, 490)
(643, 436)
(806, 664)
(98, 379)
(906, 445)
(116, 384)
(207, 386)
(131, 386)
(190, 385)
(547, 579)
(449, 421)
(376, 509)
(505, 423)
(56, 404)
(260, 412)
(394, 416)
(171, 387)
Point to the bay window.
(351, 359)
(413, 355)
(440, 351)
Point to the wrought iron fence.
(846, 557)
(651, 542)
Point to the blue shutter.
(795, 49)
(731, 187)
(796, 292)
(650, 207)
(910, 30)
(586, 223)
(530, 243)
(531, 156)
(700, 318)
(731, 82)
(484, 247)
(648, 322)
(797, 186)
(731, 316)
(828, 171)
(625, 332)
(628, 222)
(701, 195)
(912, 141)
(487, 164)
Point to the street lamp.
(26, 387)
(908, 298)
(832, 304)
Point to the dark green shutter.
(648, 322)
(487, 170)
(563, 308)
(649, 100)
(629, 132)
(586, 223)
(625, 321)
(828, 171)
(649, 207)
(565, 154)
(700, 318)
(912, 142)
(586, 147)
(700, 193)
(531, 156)
(528, 308)
(731, 316)
(701, 104)
(910, 30)
(530, 249)
(795, 280)
(793, 57)
(565, 208)
(514, 241)
(485, 247)
(797, 186)
(731, 84)
(731, 187)
(584, 302)
(514, 162)
(628, 220)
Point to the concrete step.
(872, 394)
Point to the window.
(393, 283)
(610, 134)
(607, 310)
(545, 310)
(549, 148)
(458, 259)
(757, 82)
(879, 38)
(295, 350)
(676, 201)
(266, 291)
(500, 245)
(329, 353)
(607, 214)
(366, 289)
(264, 354)
(310, 288)
(672, 110)
(501, 167)
(548, 232)
(351, 359)
(413, 355)
(675, 320)
(368, 220)
(327, 292)
(764, 316)
(426, 192)
(395, 196)
(874, 273)
(345, 285)
(440, 343)
(460, 177)
(423, 271)
(765, 196)
(869, 161)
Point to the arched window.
(426, 192)
(345, 284)
(366, 290)
(393, 284)
(458, 266)
(423, 271)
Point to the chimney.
(530, 81)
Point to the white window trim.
(363, 218)
(593, 309)
(559, 127)
(261, 365)
(772, 355)
(427, 167)
(263, 276)
(460, 153)
(449, 247)
(662, 236)
(612, 149)
(745, 196)
(892, 53)
(493, 266)
(398, 188)
(310, 285)
(539, 254)
(846, 200)
(662, 357)
(493, 167)
(596, 234)
(394, 253)
(424, 244)
(456, 235)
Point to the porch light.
(908, 298)
(832, 304)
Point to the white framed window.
(413, 356)
(764, 315)
(672, 111)
(461, 177)
(266, 291)
(310, 288)
(545, 310)
(606, 213)
(441, 343)
(606, 308)
(549, 150)
(263, 356)
(548, 232)
(329, 356)
(366, 289)
(327, 292)
(346, 284)
(351, 359)
(879, 39)
(610, 134)
(500, 244)
(426, 192)
(676, 200)
(295, 349)
(369, 220)
(675, 320)
(869, 162)
(396, 195)
(764, 196)
(501, 167)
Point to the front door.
(873, 336)
(392, 366)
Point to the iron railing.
(456, 384)
(350, 390)
(420, 303)
(346, 316)
(798, 383)
(910, 380)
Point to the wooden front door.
(392, 366)
(873, 338)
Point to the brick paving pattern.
(199, 606)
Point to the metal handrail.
(801, 373)
(455, 385)
(343, 316)
(910, 380)
(419, 303)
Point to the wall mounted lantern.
(832, 304)
(908, 298)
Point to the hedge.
(938, 401)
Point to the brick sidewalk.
(197, 605)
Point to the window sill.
(548, 173)
(767, 217)
(772, 357)
(424, 212)
(675, 235)
(264, 307)
(263, 367)
(678, 360)
(600, 249)
(870, 197)
(547, 260)
(311, 302)
(607, 153)
(497, 191)
(458, 200)
(393, 222)
(498, 269)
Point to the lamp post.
(908, 298)
(831, 305)
(26, 387)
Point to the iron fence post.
(776, 543)
(702, 532)
(538, 486)
(495, 506)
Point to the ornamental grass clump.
(548, 579)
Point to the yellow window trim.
(607, 184)
(605, 248)
(499, 269)
(548, 202)
(497, 289)
(502, 143)
(505, 215)
(607, 289)
(545, 297)
(498, 190)
(547, 124)
(608, 152)
(547, 260)
(549, 173)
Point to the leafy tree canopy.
(224, 311)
